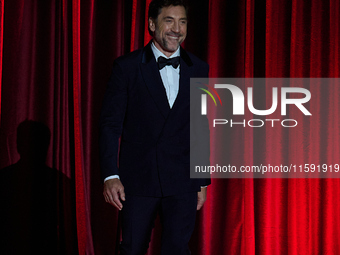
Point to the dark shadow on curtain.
(31, 213)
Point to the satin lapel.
(186, 68)
(153, 81)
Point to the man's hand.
(114, 192)
(201, 197)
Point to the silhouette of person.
(29, 209)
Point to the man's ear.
(152, 25)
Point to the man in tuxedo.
(147, 106)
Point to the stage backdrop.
(56, 58)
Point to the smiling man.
(147, 105)
(169, 29)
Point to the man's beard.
(166, 43)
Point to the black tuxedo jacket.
(154, 149)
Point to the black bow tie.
(162, 62)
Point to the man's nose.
(175, 27)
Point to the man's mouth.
(174, 37)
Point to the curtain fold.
(55, 60)
(81, 215)
(1, 45)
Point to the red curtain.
(57, 57)
(1, 44)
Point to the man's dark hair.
(156, 6)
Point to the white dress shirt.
(169, 75)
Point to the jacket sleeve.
(199, 134)
(111, 121)
(206, 142)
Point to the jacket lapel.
(153, 80)
(184, 79)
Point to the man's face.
(170, 29)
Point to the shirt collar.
(157, 53)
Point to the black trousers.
(177, 215)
